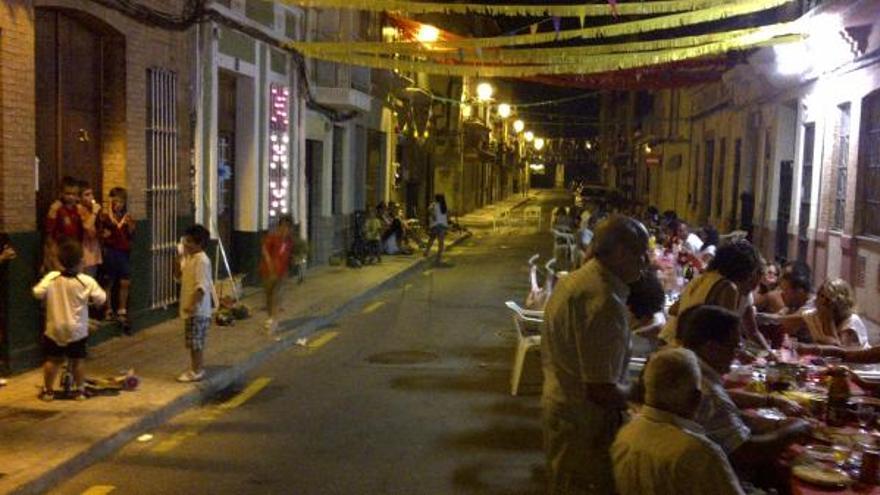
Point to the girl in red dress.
(275, 262)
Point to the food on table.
(837, 436)
(827, 453)
(822, 475)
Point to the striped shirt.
(717, 414)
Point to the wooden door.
(68, 103)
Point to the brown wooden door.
(68, 106)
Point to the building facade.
(784, 147)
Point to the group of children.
(84, 241)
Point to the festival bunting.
(569, 54)
(715, 13)
(587, 65)
(582, 10)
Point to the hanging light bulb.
(529, 135)
(539, 143)
(485, 91)
(518, 126)
(504, 110)
(428, 33)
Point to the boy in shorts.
(67, 294)
(117, 232)
(193, 269)
(64, 219)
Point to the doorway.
(226, 118)
(708, 166)
(80, 106)
(314, 158)
(806, 192)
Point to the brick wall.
(18, 120)
(125, 149)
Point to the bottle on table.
(838, 397)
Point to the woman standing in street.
(439, 224)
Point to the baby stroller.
(357, 253)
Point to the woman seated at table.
(834, 321)
(728, 282)
(768, 296)
(645, 303)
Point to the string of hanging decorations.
(716, 13)
(564, 55)
(580, 11)
(584, 65)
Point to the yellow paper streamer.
(716, 13)
(568, 54)
(580, 11)
(590, 65)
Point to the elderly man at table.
(585, 350)
(713, 334)
(663, 451)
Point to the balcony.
(342, 87)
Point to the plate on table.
(839, 436)
(820, 475)
(826, 453)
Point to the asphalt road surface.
(408, 395)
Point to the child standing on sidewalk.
(67, 294)
(274, 265)
(193, 269)
(373, 236)
(91, 244)
(117, 232)
(63, 220)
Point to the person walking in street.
(193, 269)
(438, 226)
(585, 350)
(68, 294)
(274, 265)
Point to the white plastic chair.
(528, 334)
(565, 243)
(532, 214)
(501, 217)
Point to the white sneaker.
(189, 376)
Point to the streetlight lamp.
(484, 91)
(428, 33)
(518, 126)
(504, 110)
(539, 144)
(529, 135)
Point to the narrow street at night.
(411, 395)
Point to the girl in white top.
(439, 223)
(834, 320)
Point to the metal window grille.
(842, 167)
(869, 176)
(162, 189)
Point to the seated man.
(662, 451)
(713, 334)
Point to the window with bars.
(162, 182)
(841, 166)
(869, 170)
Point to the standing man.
(585, 351)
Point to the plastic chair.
(528, 334)
(532, 214)
(565, 246)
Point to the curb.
(215, 383)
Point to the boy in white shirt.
(193, 269)
(67, 294)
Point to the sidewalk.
(43, 443)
